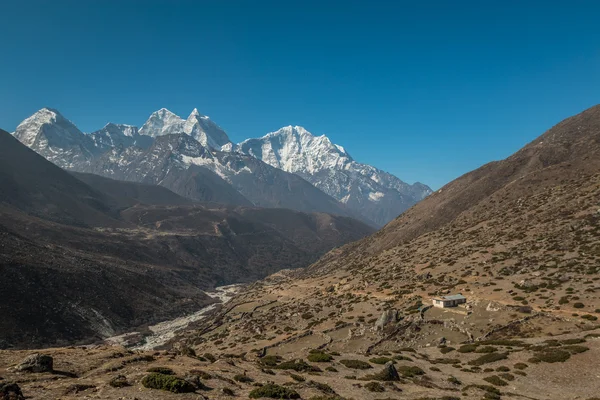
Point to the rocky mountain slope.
(93, 257)
(194, 157)
(377, 195)
(519, 238)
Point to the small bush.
(242, 378)
(355, 364)
(446, 349)
(467, 348)
(551, 356)
(521, 366)
(507, 376)
(486, 349)
(210, 357)
(576, 349)
(319, 357)
(410, 371)
(495, 380)
(161, 370)
(578, 305)
(273, 391)
(228, 392)
(270, 361)
(503, 368)
(489, 358)
(454, 380)
(297, 378)
(331, 369)
(298, 366)
(375, 387)
(380, 360)
(168, 383)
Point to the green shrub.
(273, 391)
(467, 348)
(454, 380)
(242, 378)
(576, 349)
(298, 366)
(502, 368)
(572, 341)
(319, 357)
(380, 360)
(228, 392)
(210, 357)
(297, 378)
(167, 382)
(270, 361)
(161, 370)
(495, 380)
(520, 365)
(409, 371)
(486, 349)
(331, 369)
(507, 376)
(375, 387)
(578, 305)
(355, 364)
(446, 349)
(323, 387)
(489, 358)
(550, 356)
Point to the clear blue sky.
(426, 90)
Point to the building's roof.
(455, 297)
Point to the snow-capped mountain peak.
(123, 129)
(376, 194)
(295, 149)
(162, 122)
(55, 137)
(209, 134)
(200, 127)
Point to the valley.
(518, 239)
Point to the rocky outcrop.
(36, 363)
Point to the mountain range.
(194, 157)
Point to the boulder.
(386, 317)
(389, 373)
(10, 391)
(36, 363)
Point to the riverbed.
(164, 331)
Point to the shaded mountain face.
(35, 186)
(95, 256)
(375, 194)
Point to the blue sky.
(426, 90)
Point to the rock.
(77, 388)
(119, 381)
(10, 391)
(389, 373)
(386, 317)
(36, 363)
